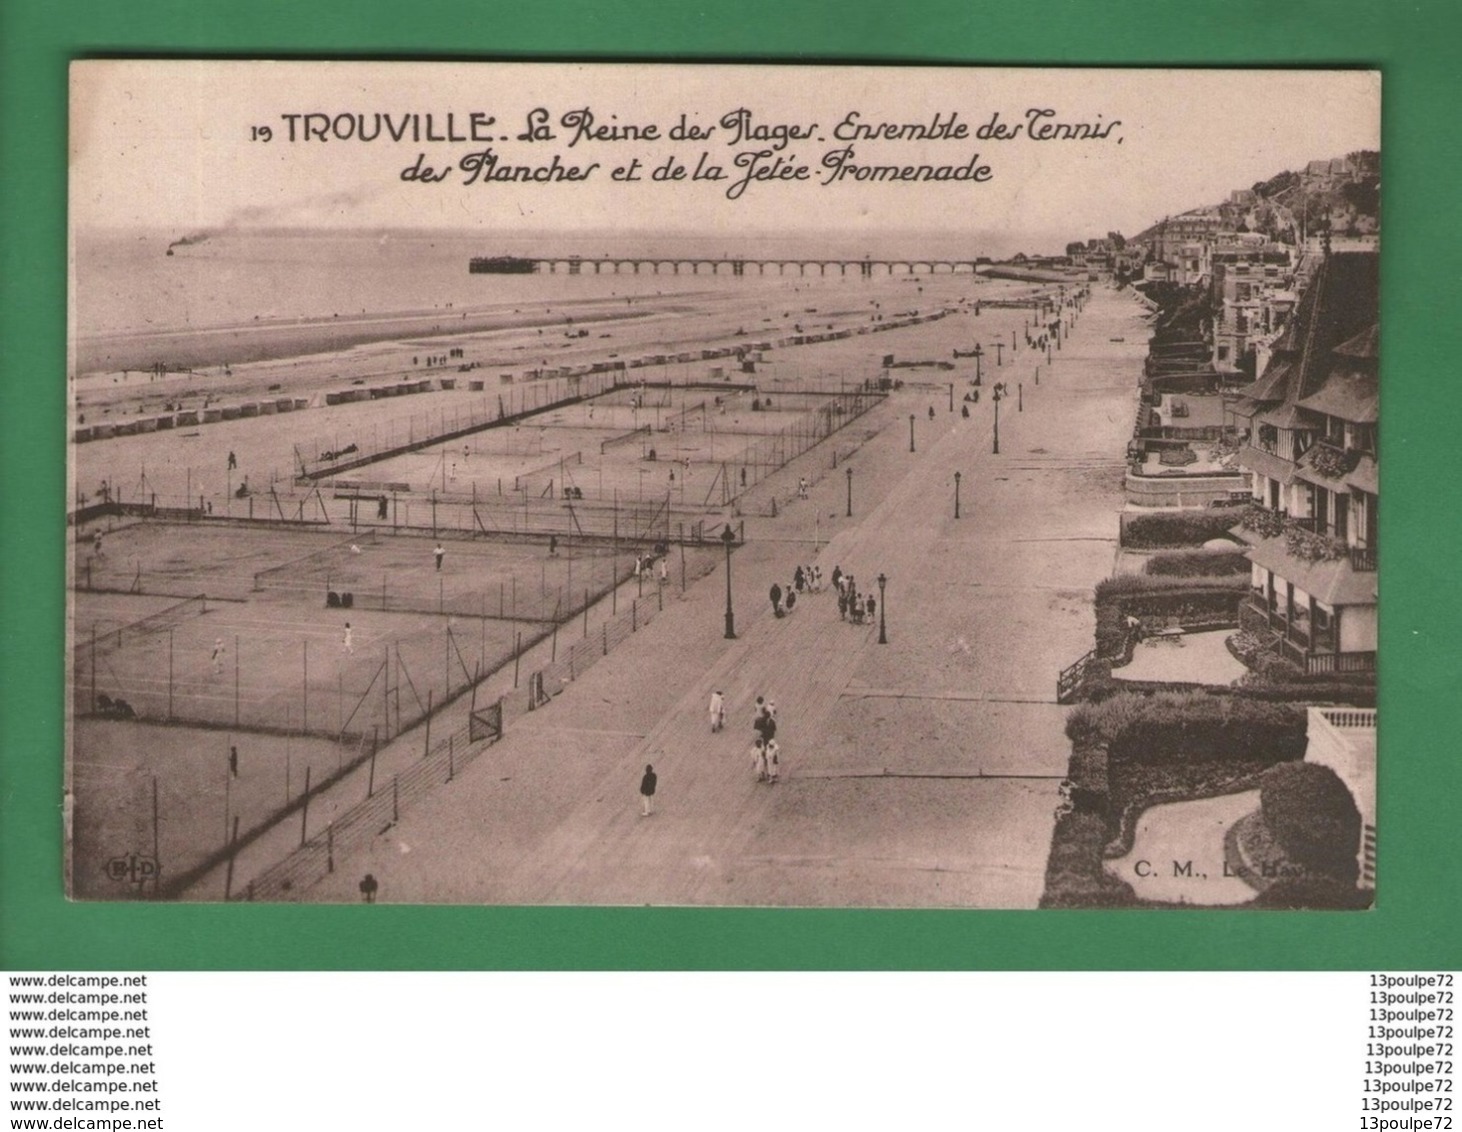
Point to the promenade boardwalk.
(923, 772)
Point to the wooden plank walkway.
(981, 613)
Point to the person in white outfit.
(718, 710)
(349, 642)
(773, 760)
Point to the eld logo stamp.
(132, 868)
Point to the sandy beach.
(502, 349)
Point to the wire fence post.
(156, 857)
(426, 746)
(305, 810)
(233, 850)
(236, 680)
(371, 779)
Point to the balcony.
(1324, 663)
(1363, 559)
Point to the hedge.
(1320, 892)
(1145, 595)
(1311, 813)
(1171, 529)
(1075, 876)
(1189, 727)
(1352, 690)
(1135, 585)
(1198, 564)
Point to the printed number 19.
(260, 133)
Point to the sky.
(182, 145)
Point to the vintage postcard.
(723, 485)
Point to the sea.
(124, 282)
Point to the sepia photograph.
(722, 485)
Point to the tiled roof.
(1266, 464)
(1285, 416)
(1350, 394)
(1340, 304)
(1366, 476)
(1366, 344)
(1333, 582)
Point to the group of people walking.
(853, 606)
(766, 753)
(805, 580)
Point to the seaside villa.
(1314, 464)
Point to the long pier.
(635, 265)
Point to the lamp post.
(1012, 340)
(956, 495)
(850, 491)
(882, 611)
(997, 395)
(1020, 397)
(911, 432)
(979, 353)
(951, 396)
(999, 353)
(728, 538)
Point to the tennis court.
(118, 771)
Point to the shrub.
(1313, 816)
(1177, 528)
(1075, 877)
(1247, 647)
(1198, 564)
(1355, 690)
(1130, 585)
(1111, 634)
(1262, 521)
(1203, 600)
(1351, 689)
(1276, 668)
(1189, 727)
(1314, 892)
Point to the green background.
(1416, 922)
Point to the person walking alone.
(647, 791)
(718, 711)
(773, 761)
(439, 554)
(348, 644)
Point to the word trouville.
(740, 125)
